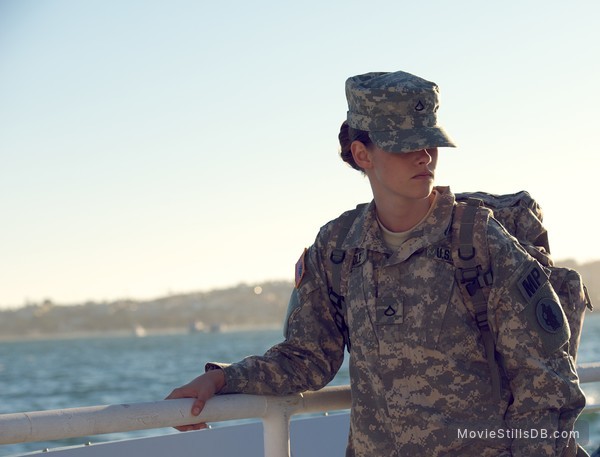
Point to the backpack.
(522, 217)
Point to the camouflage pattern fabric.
(375, 101)
(522, 217)
(419, 377)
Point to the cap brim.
(401, 141)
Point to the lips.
(425, 174)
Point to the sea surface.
(67, 373)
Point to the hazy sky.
(154, 147)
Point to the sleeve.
(532, 332)
(313, 349)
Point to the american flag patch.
(300, 269)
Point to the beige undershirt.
(395, 239)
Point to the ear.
(361, 155)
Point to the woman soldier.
(419, 377)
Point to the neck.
(403, 215)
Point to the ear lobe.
(361, 155)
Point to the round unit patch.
(549, 315)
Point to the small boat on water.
(201, 327)
(215, 328)
(139, 331)
(197, 327)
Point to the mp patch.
(300, 269)
(531, 282)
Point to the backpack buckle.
(475, 278)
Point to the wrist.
(217, 376)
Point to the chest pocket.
(404, 304)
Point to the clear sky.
(153, 147)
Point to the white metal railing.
(275, 413)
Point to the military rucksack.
(522, 217)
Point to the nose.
(423, 156)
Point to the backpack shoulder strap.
(337, 257)
(474, 276)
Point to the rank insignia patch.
(300, 269)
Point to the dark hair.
(346, 137)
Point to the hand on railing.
(201, 389)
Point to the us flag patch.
(300, 269)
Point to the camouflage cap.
(397, 109)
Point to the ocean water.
(66, 373)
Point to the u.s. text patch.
(441, 252)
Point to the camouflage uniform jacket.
(419, 378)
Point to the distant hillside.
(242, 305)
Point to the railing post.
(276, 424)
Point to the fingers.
(192, 427)
(198, 406)
(181, 392)
(200, 389)
(199, 396)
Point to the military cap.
(399, 110)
